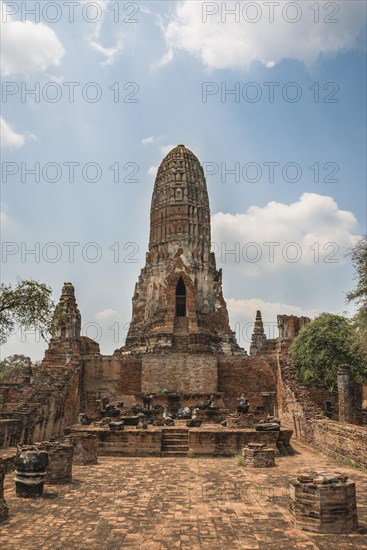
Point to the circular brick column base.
(323, 503)
(258, 455)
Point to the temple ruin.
(180, 384)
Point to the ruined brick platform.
(191, 504)
(208, 440)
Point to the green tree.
(27, 304)
(12, 366)
(359, 294)
(322, 346)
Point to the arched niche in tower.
(180, 298)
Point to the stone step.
(175, 430)
(175, 436)
(173, 454)
(175, 448)
(175, 433)
(169, 444)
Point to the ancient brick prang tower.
(258, 340)
(178, 301)
(66, 323)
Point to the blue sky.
(161, 64)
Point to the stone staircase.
(175, 442)
(181, 326)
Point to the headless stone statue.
(329, 409)
(212, 403)
(243, 406)
(142, 422)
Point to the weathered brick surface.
(60, 461)
(324, 507)
(226, 443)
(257, 455)
(167, 503)
(115, 377)
(85, 447)
(305, 415)
(180, 372)
(248, 375)
(345, 440)
(180, 257)
(130, 443)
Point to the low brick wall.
(7, 458)
(210, 442)
(345, 440)
(227, 443)
(129, 443)
(85, 447)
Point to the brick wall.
(227, 443)
(345, 440)
(179, 372)
(301, 407)
(113, 376)
(130, 443)
(248, 375)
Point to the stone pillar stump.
(323, 503)
(344, 397)
(85, 447)
(31, 464)
(258, 455)
(60, 461)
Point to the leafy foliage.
(27, 304)
(359, 294)
(11, 366)
(322, 346)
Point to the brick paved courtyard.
(164, 503)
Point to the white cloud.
(165, 149)
(106, 314)
(152, 171)
(242, 316)
(227, 44)
(312, 219)
(4, 218)
(164, 60)
(28, 47)
(94, 38)
(109, 53)
(147, 140)
(9, 138)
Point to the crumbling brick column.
(85, 447)
(258, 455)
(323, 503)
(344, 396)
(3, 506)
(60, 461)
